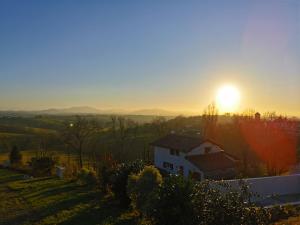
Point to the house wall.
(162, 155)
(267, 186)
(201, 149)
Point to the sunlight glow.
(228, 98)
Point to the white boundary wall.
(266, 186)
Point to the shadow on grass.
(75, 205)
(63, 189)
(66, 204)
(38, 179)
(21, 219)
(10, 178)
(38, 214)
(95, 214)
(89, 216)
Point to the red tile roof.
(212, 161)
(178, 142)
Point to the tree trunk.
(80, 156)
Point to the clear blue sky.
(149, 54)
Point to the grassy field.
(63, 159)
(49, 200)
(27, 155)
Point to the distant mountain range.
(91, 110)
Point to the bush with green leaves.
(283, 212)
(141, 187)
(173, 202)
(181, 201)
(87, 177)
(119, 180)
(216, 205)
(15, 156)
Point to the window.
(174, 152)
(171, 166)
(167, 165)
(207, 150)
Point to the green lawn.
(54, 201)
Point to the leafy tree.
(120, 180)
(15, 156)
(142, 186)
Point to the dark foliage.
(106, 167)
(173, 203)
(105, 174)
(216, 207)
(87, 177)
(180, 201)
(141, 188)
(42, 164)
(15, 156)
(119, 180)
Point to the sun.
(228, 98)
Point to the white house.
(202, 159)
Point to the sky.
(168, 54)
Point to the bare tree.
(209, 121)
(78, 134)
(248, 113)
(270, 115)
(160, 125)
(121, 132)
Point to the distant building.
(189, 156)
(257, 116)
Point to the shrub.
(282, 212)
(87, 177)
(172, 203)
(215, 207)
(120, 178)
(15, 156)
(141, 187)
(42, 164)
(106, 169)
(180, 201)
(105, 174)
